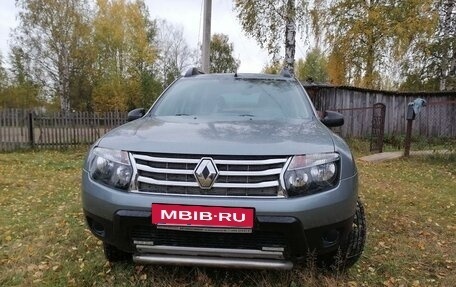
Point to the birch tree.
(370, 36)
(272, 22)
(431, 63)
(3, 75)
(123, 41)
(447, 42)
(174, 54)
(49, 33)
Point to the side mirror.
(136, 114)
(332, 119)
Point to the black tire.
(349, 252)
(113, 254)
(357, 237)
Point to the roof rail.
(192, 72)
(285, 73)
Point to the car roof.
(194, 72)
(242, 76)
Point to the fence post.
(378, 127)
(413, 108)
(30, 129)
(408, 138)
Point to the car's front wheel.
(349, 252)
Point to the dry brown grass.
(410, 205)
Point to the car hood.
(248, 136)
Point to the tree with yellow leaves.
(123, 37)
(366, 37)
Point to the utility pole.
(206, 35)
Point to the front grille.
(238, 176)
(254, 240)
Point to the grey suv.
(227, 170)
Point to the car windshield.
(218, 97)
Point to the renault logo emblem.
(206, 173)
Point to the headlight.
(111, 167)
(309, 174)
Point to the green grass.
(410, 205)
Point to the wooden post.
(30, 128)
(408, 138)
(378, 127)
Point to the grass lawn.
(410, 205)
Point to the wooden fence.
(24, 129)
(437, 119)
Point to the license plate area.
(203, 218)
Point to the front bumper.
(279, 238)
(285, 229)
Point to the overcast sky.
(7, 21)
(187, 13)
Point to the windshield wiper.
(247, 115)
(178, 115)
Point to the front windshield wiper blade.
(178, 115)
(247, 115)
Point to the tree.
(446, 43)
(275, 67)
(416, 83)
(3, 75)
(174, 54)
(3, 83)
(337, 67)
(372, 35)
(123, 40)
(87, 55)
(271, 22)
(221, 55)
(17, 90)
(431, 63)
(313, 68)
(49, 33)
